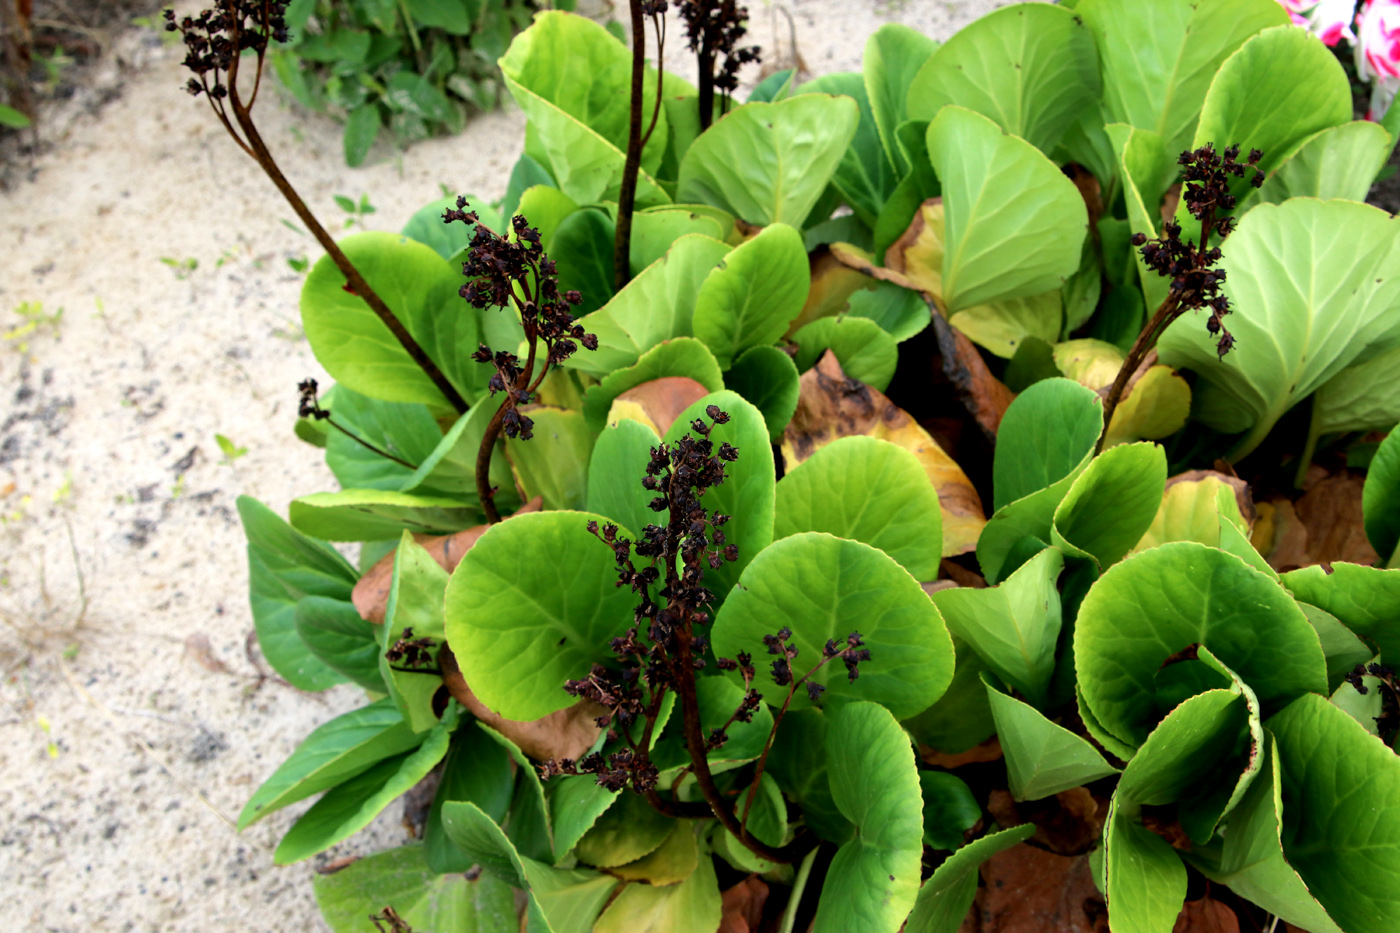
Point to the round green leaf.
(949, 809)
(769, 163)
(615, 474)
(1014, 225)
(1030, 67)
(767, 377)
(1312, 283)
(1044, 436)
(865, 177)
(902, 312)
(866, 352)
(746, 495)
(755, 291)
(874, 878)
(1158, 60)
(420, 288)
(1341, 813)
(447, 240)
(1112, 503)
(866, 490)
(1278, 89)
(1158, 602)
(1365, 599)
(653, 232)
(532, 605)
(582, 248)
(544, 207)
(825, 588)
(409, 432)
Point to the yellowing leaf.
(1153, 407)
(1092, 363)
(1189, 510)
(1002, 325)
(831, 406)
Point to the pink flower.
(1378, 40)
(1329, 20)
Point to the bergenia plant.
(1112, 264)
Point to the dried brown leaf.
(371, 593)
(830, 406)
(1030, 890)
(743, 906)
(567, 733)
(990, 750)
(660, 402)
(1206, 916)
(833, 284)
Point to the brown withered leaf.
(567, 733)
(199, 650)
(1068, 823)
(862, 261)
(659, 402)
(1030, 890)
(1331, 512)
(833, 284)
(1206, 915)
(1280, 535)
(918, 253)
(743, 906)
(989, 750)
(830, 406)
(371, 593)
(984, 396)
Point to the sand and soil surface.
(135, 716)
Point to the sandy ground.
(125, 747)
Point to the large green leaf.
(426, 900)
(572, 79)
(582, 250)
(769, 163)
(350, 806)
(755, 291)
(1312, 283)
(865, 177)
(800, 763)
(658, 304)
(894, 53)
(615, 474)
(1144, 879)
(1045, 435)
(1013, 627)
(1363, 397)
(420, 288)
(532, 605)
(825, 588)
(944, 899)
(284, 566)
(332, 754)
(1341, 813)
(1030, 67)
(1249, 858)
(767, 377)
(1158, 59)
(746, 495)
(1277, 90)
(346, 643)
(682, 356)
(1161, 601)
(447, 240)
(1340, 162)
(554, 463)
(409, 432)
(1365, 599)
(655, 229)
(377, 514)
(1380, 502)
(1112, 503)
(950, 810)
(414, 610)
(874, 878)
(1014, 225)
(1042, 757)
(866, 353)
(866, 490)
